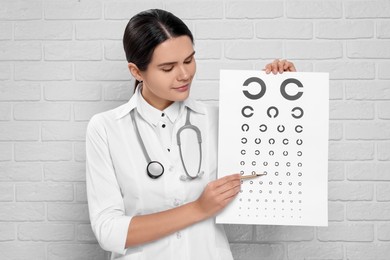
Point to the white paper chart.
(276, 125)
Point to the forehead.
(173, 50)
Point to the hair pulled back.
(146, 30)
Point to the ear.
(135, 71)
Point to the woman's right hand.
(218, 194)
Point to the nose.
(184, 74)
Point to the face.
(169, 75)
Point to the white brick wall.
(62, 61)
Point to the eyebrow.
(174, 62)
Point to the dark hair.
(146, 30)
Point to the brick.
(383, 151)
(5, 153)
(84, 111)
(286, 30)
(206, 50)
(224, 30)
(45, 232)
(209, 70)
(305, 250)
(21, 10)
(346, 232)
(88, 51)
(20, 91)
(254, 9)
(53, 131)
(17, 131)
(237, 233)
(43, 71)
(367, 9)
(126, 10)
(21, 250)
(97, 71)
(209, 87)
(44, 192)
(69, 10)
(7, 232)
(5, 31)
(196, 10)
(21, 211)
(345, 29)
(383, 70)
(25, 172)
(64, 171)
(351, 151)
(336, 211)
(347, 191)
(84, 233)
(81, 192)
(6, 192)
(367, 131)
(313, 50)
(336, 171)
(76, 251)
(118, 91)
(100, 30)
(42, 111)
(314, 9)
(368, 211)
(113, 50)
(383, 29)
(383, 232)
(72, 91)
(368, 171)
(257, 251)
(379, 49)
(351, 110)
(336, 90)
(367, 251)
(383, 110)
(5, 71)
(245, 50)
(67, 212)
(347, 70)
(283, 233)
(49, 151)
(43, 30)
(367, 90)
(5, 112)
(383, 192)
(335, 131)
(79, 152)
(20, 51)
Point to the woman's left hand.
(279, 66)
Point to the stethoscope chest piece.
(154, 169)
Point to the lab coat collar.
(135, 100)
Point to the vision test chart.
(276, 125)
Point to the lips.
(182, 88)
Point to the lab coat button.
(177, 202)
(178, 235)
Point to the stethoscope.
(155, 169)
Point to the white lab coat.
(118, 187)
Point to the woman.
(165, 210)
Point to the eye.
(188, 61)
(167, 69)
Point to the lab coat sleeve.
(106, 207)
